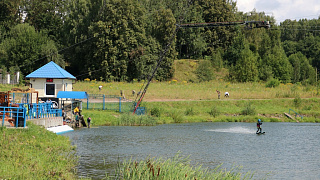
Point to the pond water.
(285, 151)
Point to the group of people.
(77, 117)
(226, 94)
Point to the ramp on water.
(289, 116)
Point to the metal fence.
(40, 110)
(110, 102)
(9, 79)
(17, 116)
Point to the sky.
(283, 9)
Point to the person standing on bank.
(89, 122)
(218, 94)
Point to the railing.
(112, 102)
(16, 116)
(296, 114)
(40, 110)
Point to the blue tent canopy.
(72, 94)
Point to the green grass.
(176, 90)
(269, 110)
(101, 117)
(176, 168)
(35, 153)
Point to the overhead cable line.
(288, 29)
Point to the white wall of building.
(41, 85)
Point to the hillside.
(184, 70)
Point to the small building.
(49, 79)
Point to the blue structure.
(51, 70)
(14, 115)
(19, 113)
(72, 94)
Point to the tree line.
(122, 40)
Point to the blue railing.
(101, 101)
(40, 110)
(16, 116)
(297, 114)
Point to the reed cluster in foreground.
(177, 167)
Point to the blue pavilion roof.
(72, 94)
(51, 70)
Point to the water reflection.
(286, 151)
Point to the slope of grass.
(35, 153)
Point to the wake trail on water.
(239, 130)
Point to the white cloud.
(283, 9)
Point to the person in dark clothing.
(77, 120)
(259, 123)
(89, 122)
(218, 94)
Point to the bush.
(214, 112)
(127, 119)
(249, 110)
(204, 71)
(190, 112)
(155, 112)
(176, 116)
(273, 83)
(297, 102)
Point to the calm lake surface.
(285, 151)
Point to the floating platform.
(60, 129)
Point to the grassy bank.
(269, 110)
(35, 153)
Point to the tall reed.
(176, 168)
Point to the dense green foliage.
(123, 40)
(35, 153)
